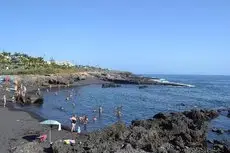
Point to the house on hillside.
(15, 59)
(65, 63)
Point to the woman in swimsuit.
(73, 122)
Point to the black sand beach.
(18, 127)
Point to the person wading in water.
(73, 122)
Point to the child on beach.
(4, 100)
(39, 92)
(78, 129)
(13, 99)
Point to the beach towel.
(69, 141)
(42, 138)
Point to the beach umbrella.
(51, 123)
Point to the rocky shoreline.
(164, 133)
(129, 78)
(110, 78)
(176, 132)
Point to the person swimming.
(85, 122)
(100, 110)
(81, 119)
(118, 111)
(61, 108)
(94, 119)
(67, 99)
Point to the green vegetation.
(19, 63)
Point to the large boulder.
(30, 99)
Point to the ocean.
(210, 92)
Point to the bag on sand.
(69, 141)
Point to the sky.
(141, 36)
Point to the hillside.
(19, 63)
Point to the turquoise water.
(210, 92)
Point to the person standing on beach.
(4, 100)
(73, 122)
(24, 89)
(78, 129)
(13, 99)
(39, 92)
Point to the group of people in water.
(84, 119)
(80, 120)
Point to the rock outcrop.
(30, 99)
(129, 78)
(142, 87)
(110, 85)
(174, 133)
(219, 147)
